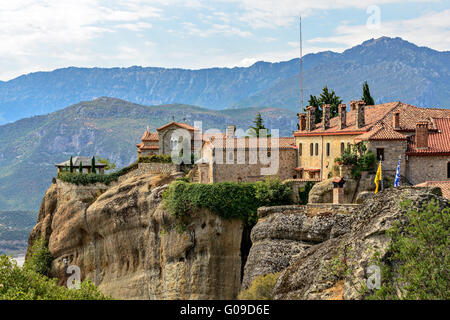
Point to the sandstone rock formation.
(322, 192)
(128, 245)
(337, 268)
(285, 231)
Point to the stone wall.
(151, 168)
(392, 150)
(421, 169)
(252, 172)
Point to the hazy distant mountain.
(106, 127)
(395, 69)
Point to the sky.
(43, 35)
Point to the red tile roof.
(150, 136)
(438, 140)
(444, 185)
(178, 124)
(238, 143)
(379, 122)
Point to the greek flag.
(397, 175)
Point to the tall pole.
(301, 66)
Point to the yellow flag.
(378, 177)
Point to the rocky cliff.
(129, 246)
(322, 252)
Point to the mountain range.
(395, 69)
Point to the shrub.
(40, 259)
(272, 192)
(228, 200)
(92, 178)
(26, 284)
(261, 288)
(159, 158)
(417, 263)
(358, 157)
(304, 192)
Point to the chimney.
(326, 116)
(396, 121)
(342, 116)
(302, 121)
(231, 130)
(360, 117)
(422, 135)
(310, 118)
(338, 191)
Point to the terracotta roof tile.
(150, 136)
(379, 122)
(283, 142)
(179, 124)
(438, 141)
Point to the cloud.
(138, 26)
(273, 14)
(214, 29)
(432, 30)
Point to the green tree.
(93, 165)
(417, 263)
(109, 164)
(71, 164)
(326, 97)
(258, 124)
(26, 283)
(40, 258)
(366, 95)
(80, 168)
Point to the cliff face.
(337, 268)
(285, 231)
(127, 244)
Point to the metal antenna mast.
(301, 66)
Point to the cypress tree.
(71, 164)
(80, 168)
(326, 97)
(258, 124)
(366, 95)
(93, 165)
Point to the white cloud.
(432, 30)
(272, 14)
(214, 29)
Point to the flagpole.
(381, 165)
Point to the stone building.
(161, 141)
(419, 135)
(246, 159)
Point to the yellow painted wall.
(321, 161)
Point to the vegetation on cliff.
(417, 266)
(228, 200)
(92, 178)
(261, 288)
(32, 283)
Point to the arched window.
(311, 149)
(300, 149)
(328, 149)
(342, 148)
(317, 149)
